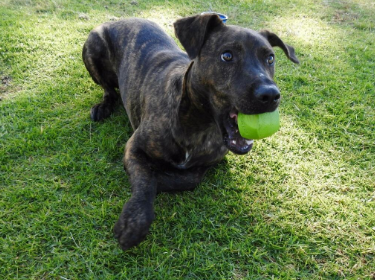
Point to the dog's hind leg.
(97, 58)
(105, 108)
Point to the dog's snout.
(268, 94)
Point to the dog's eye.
(226, 56)
(271, 59)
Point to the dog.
(183, 106)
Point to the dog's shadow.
(216, 211)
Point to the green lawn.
(300, 205)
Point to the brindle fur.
(178, 103)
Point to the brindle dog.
(182, 106)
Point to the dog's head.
(233, 69)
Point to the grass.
(299, 206)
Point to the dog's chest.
(206, 149)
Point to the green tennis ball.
(258, 126)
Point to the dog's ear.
(275, 41)
(193, 31)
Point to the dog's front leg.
(138, 213)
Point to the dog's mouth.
(232, 138)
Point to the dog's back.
(133, 55)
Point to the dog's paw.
(101, 111)
(134, 223)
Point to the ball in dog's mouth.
(232, 138)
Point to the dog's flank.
(182, 106)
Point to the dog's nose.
(267, 94)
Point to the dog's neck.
(194, 112)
